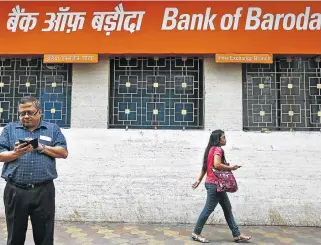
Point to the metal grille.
(50, 83)
(285, 95)
(158, 93)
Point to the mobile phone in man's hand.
(33, 142)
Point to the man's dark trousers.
(38, 202)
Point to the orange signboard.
(162, 27)
(70, 58)
(244, 58)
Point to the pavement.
(72, 233)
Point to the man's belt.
(27, 186)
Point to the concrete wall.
(146, 175)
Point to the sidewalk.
(111, 233)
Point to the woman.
(215, 152)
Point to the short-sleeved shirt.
(32, 167)
(215, 150)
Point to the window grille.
(285, 95)
(156, 93)
(51, 83)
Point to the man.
(29, 173)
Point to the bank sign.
(164, 27)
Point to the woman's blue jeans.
(213, 198)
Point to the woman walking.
(214, 158)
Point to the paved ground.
(111, 233)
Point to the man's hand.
(196, 184)
(21, 149)
(40, 147)
(18, 151)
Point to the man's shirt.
(32, 167)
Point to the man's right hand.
(21, 149)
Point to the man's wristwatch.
(43, 149)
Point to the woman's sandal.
(199, 238)
(242, 238)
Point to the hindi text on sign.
(58, 22)
(71, 58)
(118, 20)
(22, 20)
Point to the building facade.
(137, 107)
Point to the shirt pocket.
(45, 139)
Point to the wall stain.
(276, 218)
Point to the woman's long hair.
(215, 140)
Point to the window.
(51, 83)
(285, 95)
(156, 93)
